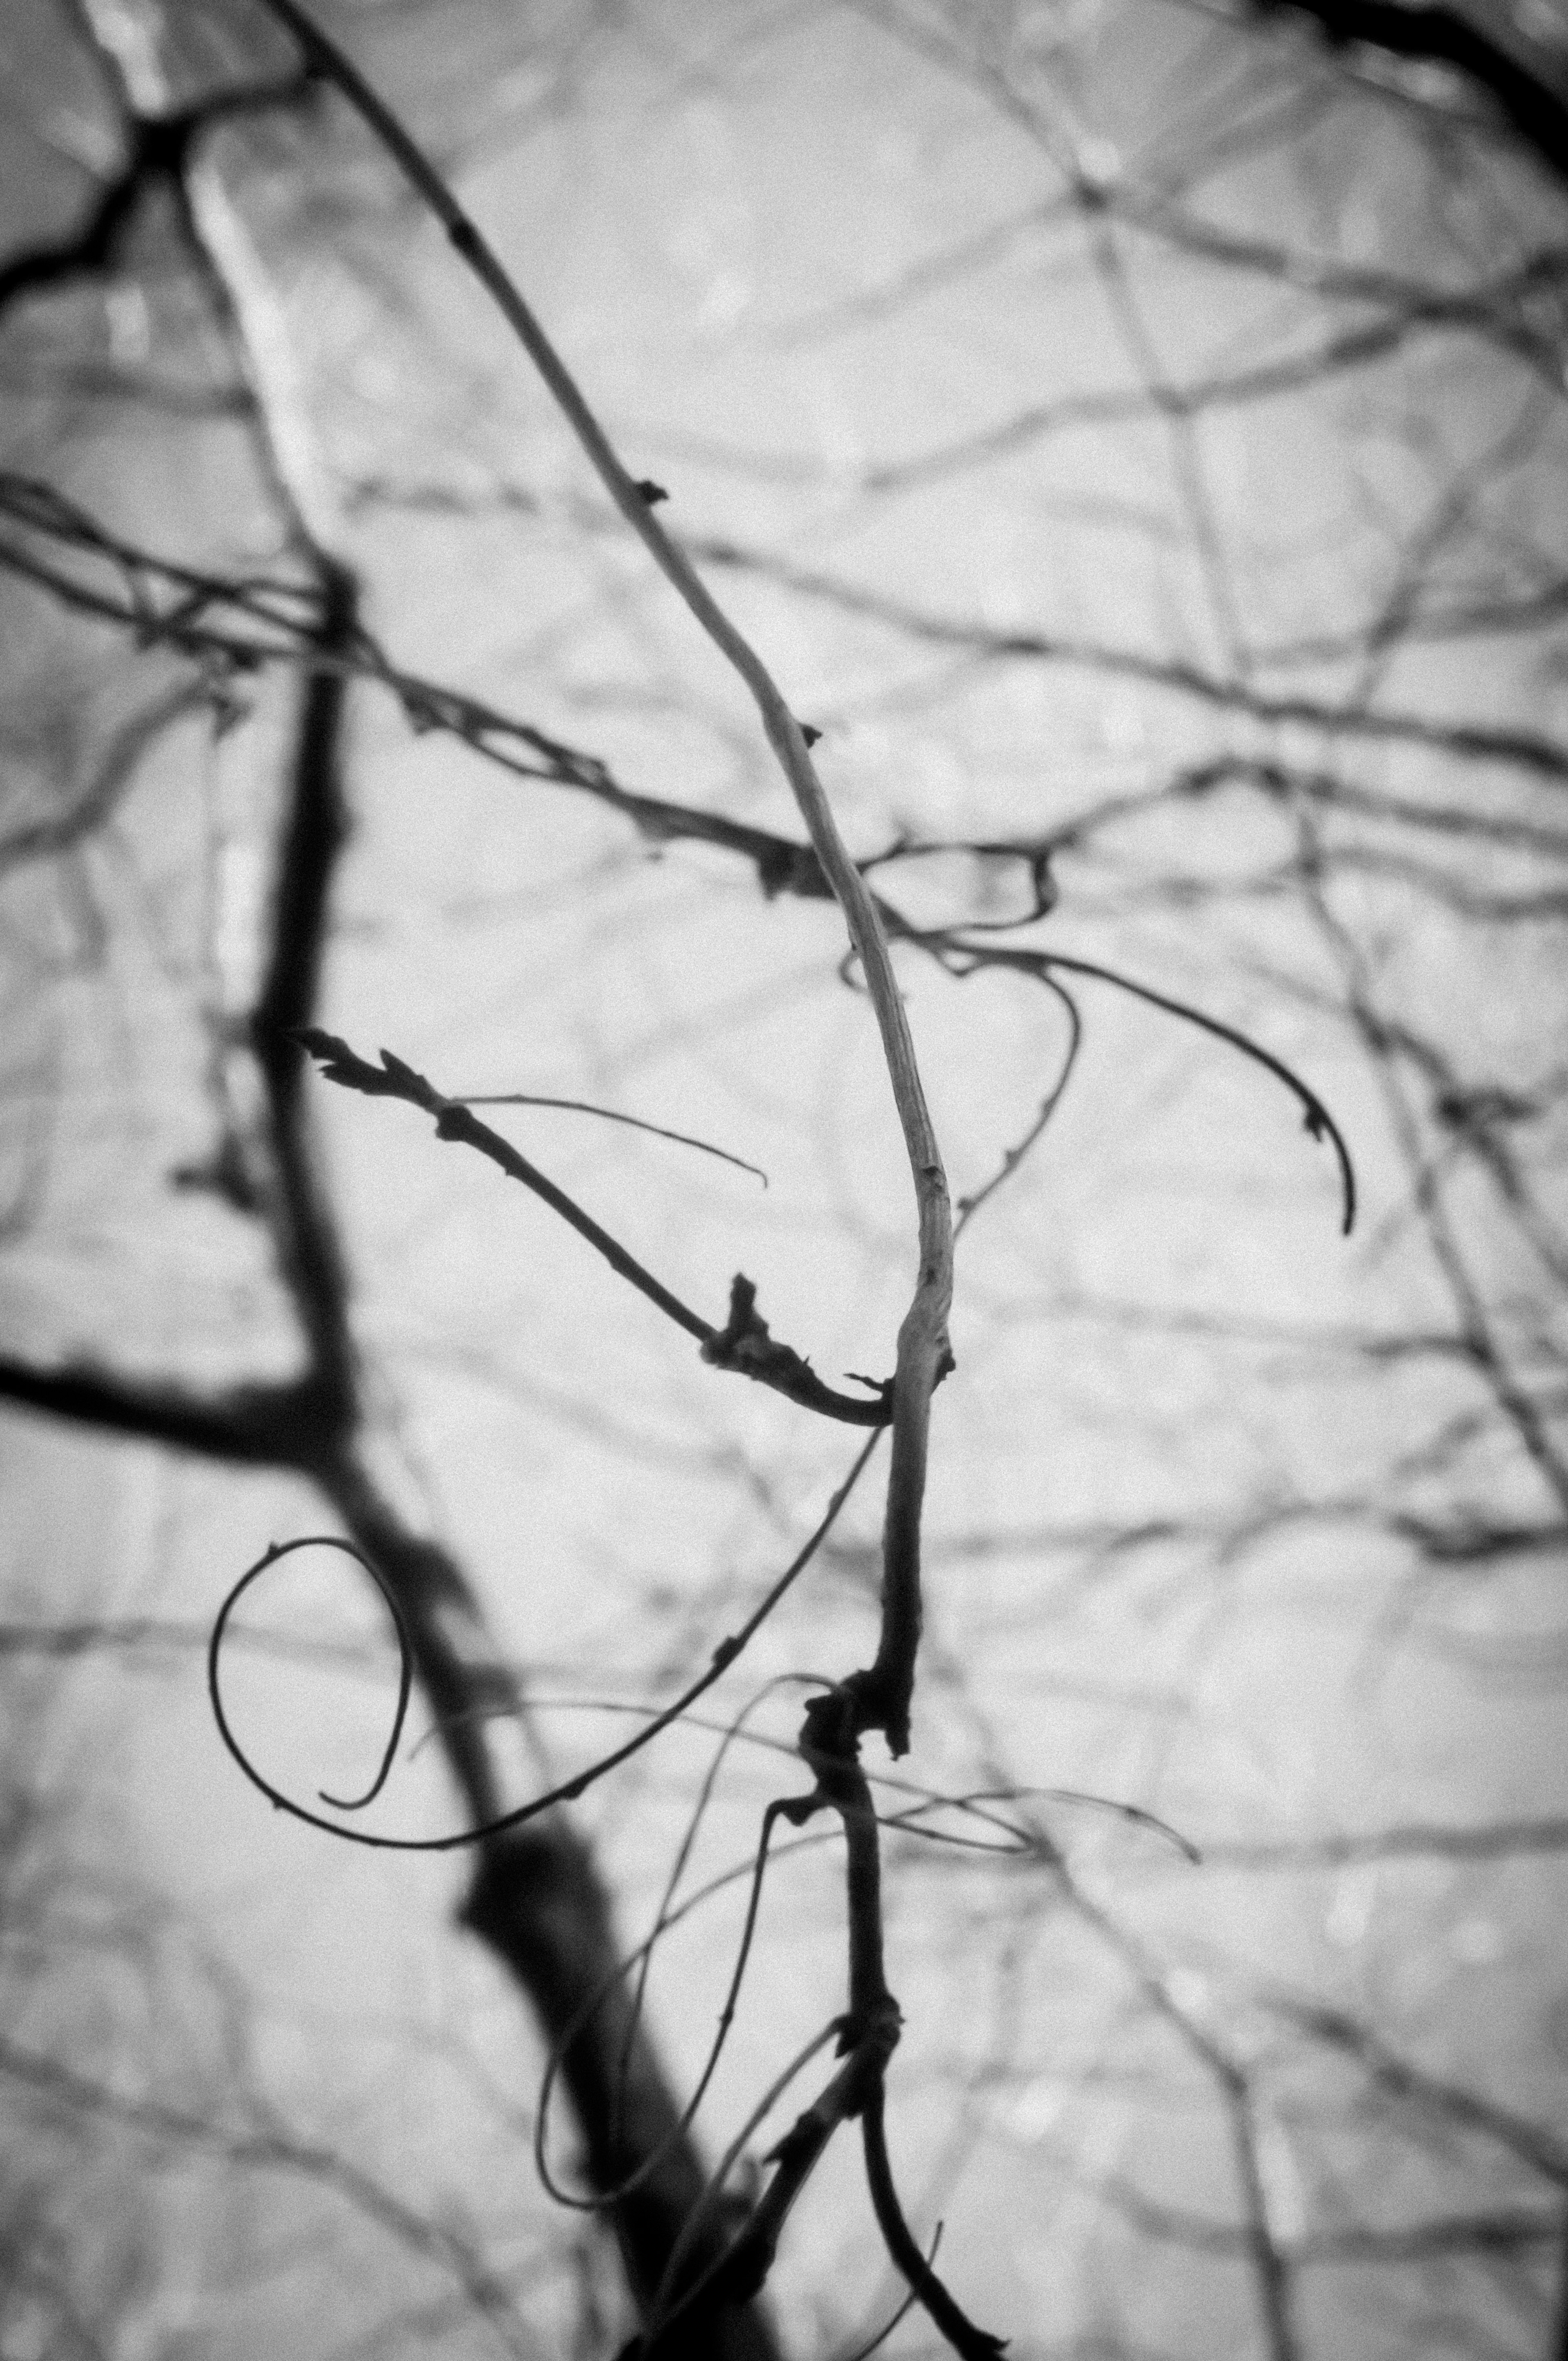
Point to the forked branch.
(924, 1353)
(879, 1697)
(744, 1344)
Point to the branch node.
(744, 1344)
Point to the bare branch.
(744, 1345)
(959, 2330)
(249, 1425)
(923, 1349)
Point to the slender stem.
(923, 1350)
(960, 2332)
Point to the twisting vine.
(877, 1697)
(569, 1790)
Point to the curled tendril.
(270, 1556)
(723, 1656)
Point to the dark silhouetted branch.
(1493, 45)
(420, 1584)
(265, 1426)
(159, 151)
(744, 1344)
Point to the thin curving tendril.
(606, 1114)
(1315, 1115)
(270, 1557)
(975, 2343)
(967, 1207)
(722, 1657)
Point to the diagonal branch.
(254, 1426)
(539, 1899)
(744, 1344)
(783, 864)
(974, 2343)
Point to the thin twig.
(606, 1114)
(723, 1656)
(744, 1344)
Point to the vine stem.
(883, 1695)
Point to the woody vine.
(722, 2254)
